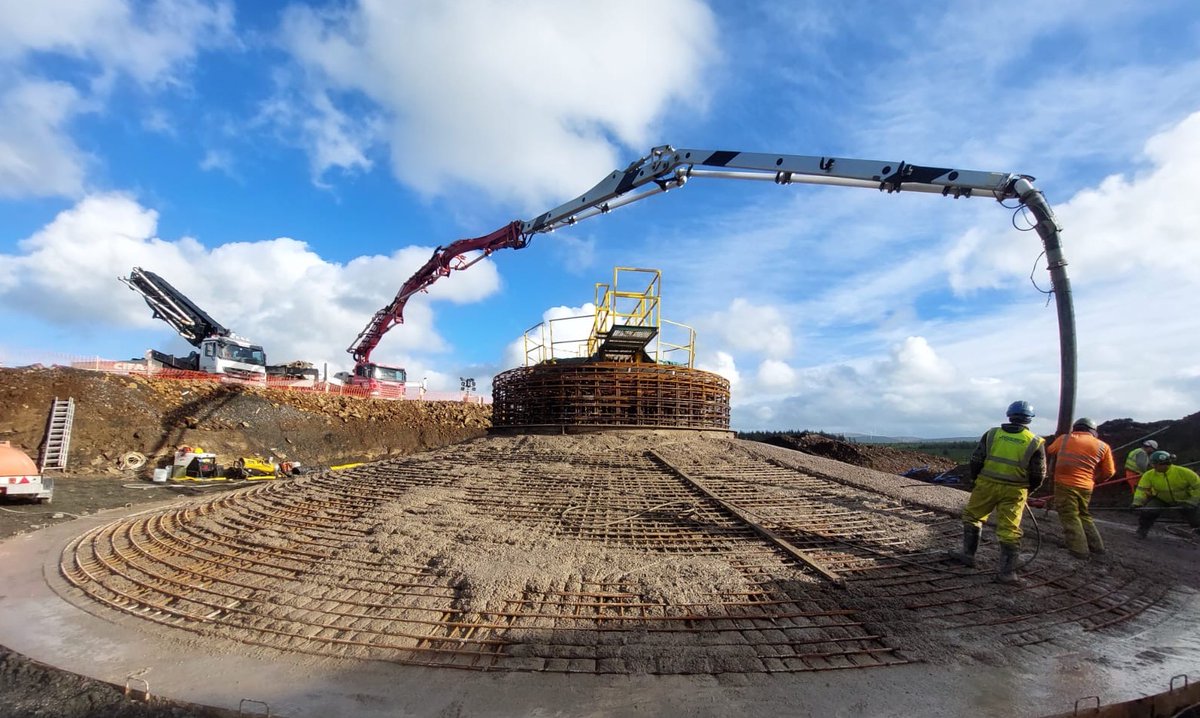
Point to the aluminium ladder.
(58, 434)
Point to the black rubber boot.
(1010, 554)
(966, 557)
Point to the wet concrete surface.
(43, 618)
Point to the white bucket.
(160, 476)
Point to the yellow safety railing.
(541, 346)
(669, 352)
(622, 306)
(673, 343)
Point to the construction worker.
(1137, 462)
(1079, 460)
(1008, 462)
(1164, 487)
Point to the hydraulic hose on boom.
(666, 168)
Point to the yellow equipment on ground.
(254, 468)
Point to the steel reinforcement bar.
(324, 565)
(610, 395)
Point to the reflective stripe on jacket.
(1008, 454)
(1082, 460)
(1133, 464)
(1176, 485)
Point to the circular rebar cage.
(610, 394)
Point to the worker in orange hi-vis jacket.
(1079, 460)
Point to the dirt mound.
(1180, 436)
(117, 414)
(32, 689)
(871, 456)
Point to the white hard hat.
(1150, 443)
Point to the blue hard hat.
(1021, 409)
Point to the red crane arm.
(439, 265)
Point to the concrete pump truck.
(220, 350)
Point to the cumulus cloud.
(150, 42)
(147, 41)
(537, 94)
(334, 140)
(723, 363)
(1134, 271)
(38, 158)
(311, 309)
(761, 328)
(776, 375)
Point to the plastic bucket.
(160, 476)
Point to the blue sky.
(289, 165)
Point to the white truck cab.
(232, 355)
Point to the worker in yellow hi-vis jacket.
(1008, 462)
(1166, 486)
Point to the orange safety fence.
(412, 392)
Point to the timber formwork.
(305, 566)
(571, 394)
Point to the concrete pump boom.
(667, 168)
(173, 307)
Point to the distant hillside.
(877, 439)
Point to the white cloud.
(775, 374)
(575, 254)
(909, 95)
(335, 140)
(308, 308)
(750, 327)
(147, 41)
(723, 363)
(1134, 272)
(37, 155)
(915, 362)
(521, 100)
(219, 160)
(150, 42)
(1125, 229)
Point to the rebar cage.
(610, 394)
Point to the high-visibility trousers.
(1079, 529)
(1007, 500)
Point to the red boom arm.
(444, 260)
